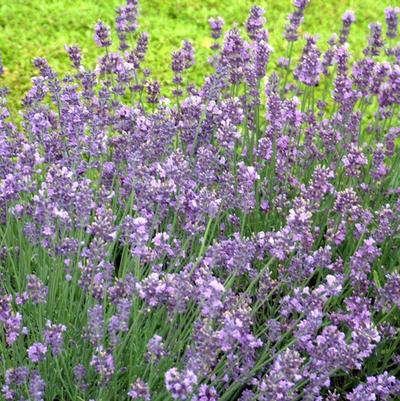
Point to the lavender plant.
(236, 241)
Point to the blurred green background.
(32, 28)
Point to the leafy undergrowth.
(37, 28)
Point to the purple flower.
(262, 51)
(103, 363)
(74, 54)
(235, 55)
(348, 20)
(206, 393)
(119, 322)
(102, 35)
(295, 19)
(390, 293)
(36, 290)
(381, 387)
(282, 377)
(255, 22)
(248, 237)
(11, 321)
(37, 352)
(180, 385)
(36, 386)
(392, 21)
(126, 22)
(216, 25)
(182, 60)
(14, 378)
(247, 177)
(53, 337)
(309, 67)
(153, 92)
(79, 372)
(354, 161)
(17, 375)
(375, 42)
(95, 329)
(155, 349)
(139, 391)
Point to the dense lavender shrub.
(237, 241)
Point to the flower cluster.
(236, 241)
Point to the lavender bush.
(236, 241)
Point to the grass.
(32, 28)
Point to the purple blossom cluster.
(236, 241)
